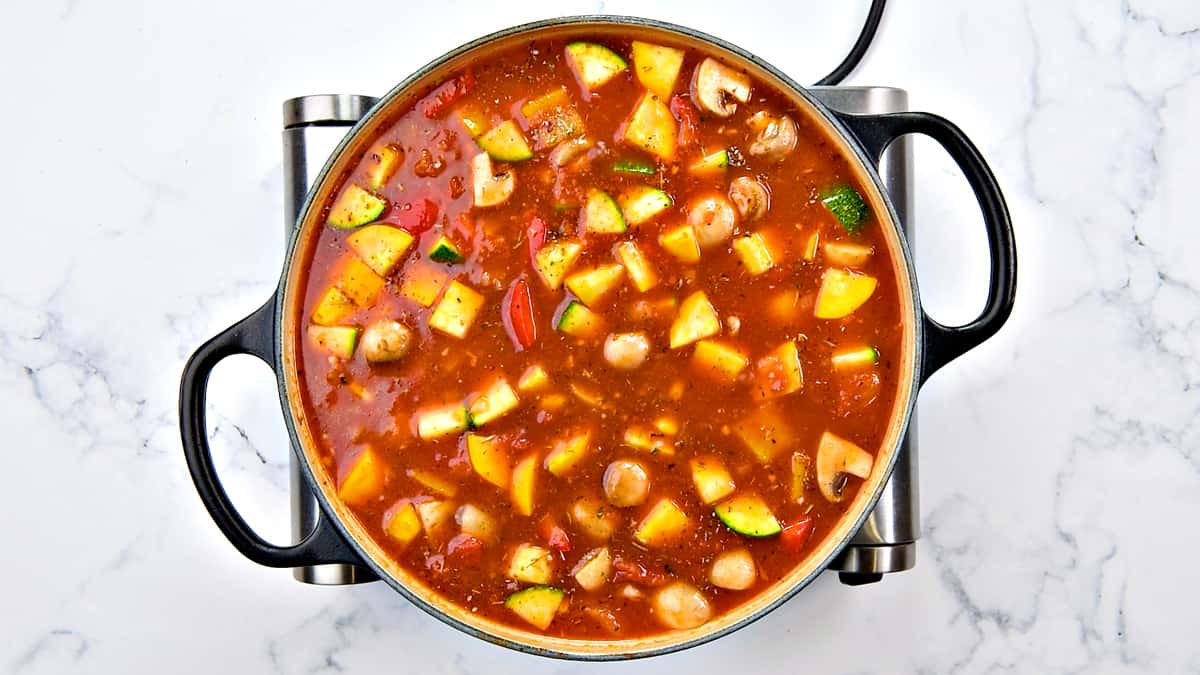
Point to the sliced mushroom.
(596, 519)
(775, 135)
(713, 219)
(718, 88)
(681, 605)
(490, 188)
(734, 570)
(569, 149)
(838, 458)
(626, 350)
(626, 483)
(386, 340)
(750, 197)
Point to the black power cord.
(859, 50)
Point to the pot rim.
(901, 414)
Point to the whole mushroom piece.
(750, 197)
(386, 340)
(718, 89)
(775, 135)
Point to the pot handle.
(252, 335)
(943, 343)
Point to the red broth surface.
(542, 396)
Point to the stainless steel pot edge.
(281, 300)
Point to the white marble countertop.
(143, 200)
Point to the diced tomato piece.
(415, 217)
(439, 100)
(795, 534)
(636, 572)
(556, 537)
(464, 548)
(685, 114)
(536, 233)
(518, 315)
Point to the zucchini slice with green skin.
(505, 143)
(579, 321)
(633, 166)
(444, 251)
(439, 421)
(847, 206)
(602, 215)
(355, 207)
(642, 202)
(538, 605)
(710, 164)
(337, 340)
(593, 64)
(748, 515)
(857, 357)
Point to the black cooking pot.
(268, 333)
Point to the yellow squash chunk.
(846, 254)
(657, 67)
(531, 564)
(765, 433)
(652, 441)
(538, 605)
(842, 292)
(354, 207)
(387, 160)
(555, 259)
(533, 379)
(651, 127)
(681, 242)
(664, 522)
(696, 320)
(710, 164)
(641, 270)
(753, 251)
(360, 283)
(809, 253)
(711, 478)
(837, 456)
(364, 480)
(719, 360)
(567, 453)
(590, 286)
(489, 458)
(332, 307)
(474, 120)
(337, 340)
(457, 310)
(524, 484)
(403, 524)
(380, 246)
(434, 482)
(444, 420)
(497, 400)
(422, 283)
(779, 372)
